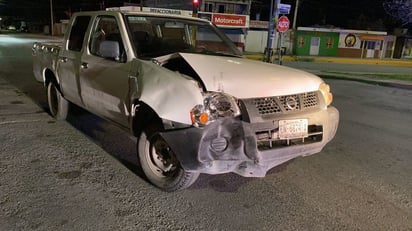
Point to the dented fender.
(170, 94)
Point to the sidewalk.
(288, 58)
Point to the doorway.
(314, 46)
(370, 49)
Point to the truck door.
(105, 80)
(69, 60)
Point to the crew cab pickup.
(184, 90)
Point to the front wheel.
(160, 165)
(58, 105)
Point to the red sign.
(283, 24)
(229, 20)
(258, 24)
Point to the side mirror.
(110, 49)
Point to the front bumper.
(231, 145)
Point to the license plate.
(293, 129)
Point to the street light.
(51, 17)
(295, 15)
(273, 16)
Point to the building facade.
(343, 43)
(316, 43)
(241, 7)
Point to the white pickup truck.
(184, 90)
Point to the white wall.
(256, 41)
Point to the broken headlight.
(215, 105)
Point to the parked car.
(11, 27)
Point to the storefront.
(403, 48)
(365, 44)
(343, 43)
(316, 42)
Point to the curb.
(406, 86)
(337, 60)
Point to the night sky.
(349, 14)
(40, 9)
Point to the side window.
(78, 32)
(301, 41)
(329, 42)
(106, 29)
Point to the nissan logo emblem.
(291, 102)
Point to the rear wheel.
(160, 165)
(58, 105)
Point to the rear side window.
(78, 32)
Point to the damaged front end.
(250, 138)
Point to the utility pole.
(273, 16)
(295, 15)
(51, 18)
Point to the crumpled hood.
(244, 78)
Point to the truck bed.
(45, 56)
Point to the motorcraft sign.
(230, 20)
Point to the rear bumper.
(230, 145)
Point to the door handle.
(84, 65)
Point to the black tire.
(160, 165)
(58, 105)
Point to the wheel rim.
(53, 99)
(160, 158)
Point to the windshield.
(156, 36)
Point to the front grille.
(263, 114)
(288, 103)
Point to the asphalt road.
(82, 174)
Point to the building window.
(241, 9)
(208, 7)
(371, 45)
(301, 41)
(329, 43)
(220, 8)
(230, 9)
